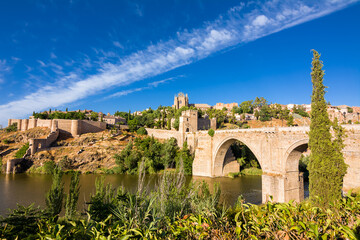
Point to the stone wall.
(91, 126)
(37, 144)
(204, 123)
(278, 151)
(165, 134)
(67, 128)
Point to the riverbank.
(246, 172)
(174, 210)
(28, 188)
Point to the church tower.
(181, 100)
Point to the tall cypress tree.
(326, 167)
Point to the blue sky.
(121, 55)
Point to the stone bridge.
(278, 150)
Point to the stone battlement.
(67, 128)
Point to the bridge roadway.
(278, 150)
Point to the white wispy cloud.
(239, 25)
(149, 86)
(4, 69)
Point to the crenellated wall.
(67, 128)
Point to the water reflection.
(31, 188)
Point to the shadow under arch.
(294, 182)
(220, 153)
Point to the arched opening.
(234, 156)
(296, 177)
(235, 159)
(187, 130)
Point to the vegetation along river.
(25, 188)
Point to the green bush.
(156, 156)
(176, 210)
(21, 152)
(211, 132)
(49, 167)
(133, 125)
(73, 196)
(234, 174)
(11, 128)
(6, 141)
(55, 196)
(142, 131)
(65, 163)
(251, 171)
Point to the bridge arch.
(221, 150)
(294, 182)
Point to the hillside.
(10, 142)
(91, 152)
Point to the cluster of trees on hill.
(264, 111)
(161, 117)
(65, 115)
(155, 155)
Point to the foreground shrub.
(49, 167)
(55, 196)
(142, 131)
(21, 152)
(177, 210)
(73, 195)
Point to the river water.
(26, 189)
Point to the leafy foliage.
(73, 196)
(21, 152)
(49, 167)
(62, 115)
(176, 210)
(54, 198)
(142, 131)
(327, 167)
(156, 156)
(244, 156)
(211, 132)
(12, 128)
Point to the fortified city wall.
(67, 128)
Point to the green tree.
(327, 167)
(141, 131)
(73, 196)
(133, 125)
(94, 116)
(176, 124)
(170, 149)
(290, 121)
(54, 198)
(246, 107)
(185, 159)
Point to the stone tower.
(188, 122)
(181, 100)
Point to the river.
(26, 189)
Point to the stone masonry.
(278, 151)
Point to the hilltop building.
(202, 106)
(190, 122)
(181, 100)
(228, 106)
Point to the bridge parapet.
(278, 150)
